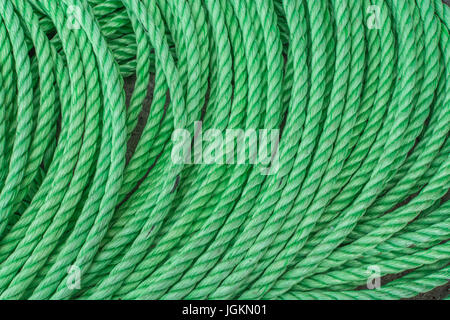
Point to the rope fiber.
(93, 206)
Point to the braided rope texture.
(92, 205)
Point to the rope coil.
(360, 91)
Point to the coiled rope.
(359, 89)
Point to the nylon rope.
(358, 90)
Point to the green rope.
(359, 91)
